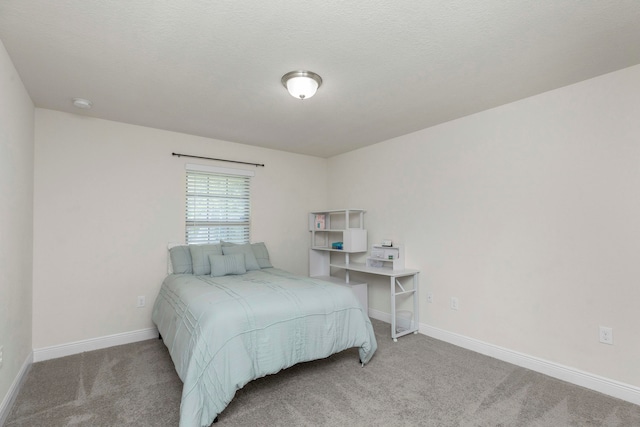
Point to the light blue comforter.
(226, 331)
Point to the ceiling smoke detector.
(82, 103)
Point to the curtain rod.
(220, 160)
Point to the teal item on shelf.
(336, 245)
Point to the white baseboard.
(68, 349)
(571, 375)
(12, 393)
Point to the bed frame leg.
(159, 336)
(215, 421)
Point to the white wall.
(16, 224)
(108, 198)
(528, 213)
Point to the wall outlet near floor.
(454, 303)
(606, 335)
(430, 297)
(141, 301)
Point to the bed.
(227, 316)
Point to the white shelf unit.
(346, 226)
(341, 225)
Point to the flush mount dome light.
(302, 84)
(82, 103)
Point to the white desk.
(396, 289)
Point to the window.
(218, 205)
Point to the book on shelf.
(320, 222)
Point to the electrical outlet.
(606, 335)
(141, 301)
(454, 303)
(430, 297)
(1, 347)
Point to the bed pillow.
(181, 260)
(222, 265)
(200, 257)
(262, 255)
(250, 261)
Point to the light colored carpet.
(418, 381)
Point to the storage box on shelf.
(386, 257)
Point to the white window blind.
(218, 207)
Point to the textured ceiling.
(213, 68)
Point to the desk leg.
(416, 301)
(394, 335)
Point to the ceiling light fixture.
(301, 84)
(82, 103)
